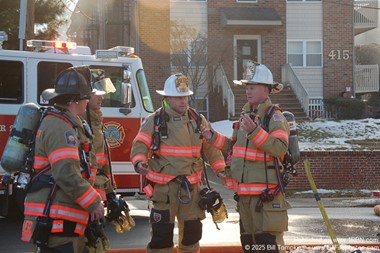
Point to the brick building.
(308, 45)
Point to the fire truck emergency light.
(106, 54)
(51, 44)
(126, 50)
(115, 52)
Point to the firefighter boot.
(266, 243)
(247, 243)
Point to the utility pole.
(30, 20)
(26, 21)
(22, 23)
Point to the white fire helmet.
(176, 85)
(256, 73)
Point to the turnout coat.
(179, 154)
(57, 146)
(99, 158)
(252, 164)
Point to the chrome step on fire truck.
(25, 74)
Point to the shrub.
(344, 108)
(373, 105)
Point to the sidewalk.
(141, 203)
(298, 202)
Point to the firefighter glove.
(118, 213)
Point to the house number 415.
(339, 54)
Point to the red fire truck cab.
(25, 74)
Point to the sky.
(325, 135)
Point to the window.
(11, 82)
(295, 54)
(144, 90)
(115, 99)
(313, 53)
(305, 53)
(47, 72)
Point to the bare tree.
(190, 55)
(367, 54)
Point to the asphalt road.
(352, 224)
(305, 227)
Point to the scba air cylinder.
(21, 137)
(293, 138)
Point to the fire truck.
(25, 74)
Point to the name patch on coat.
(276, 205)
(70, 138)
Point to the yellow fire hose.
(321, 207)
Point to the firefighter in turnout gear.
(256, 166)
(104, 182)
(100, 178)
(168, 150)
(60, 202)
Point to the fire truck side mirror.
(126, 91)
(126, 88)
(126, 94)
(127, 76)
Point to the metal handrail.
(221, 82)
(288, 77)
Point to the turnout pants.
(62, 244)
(167, 206)
(263, 231)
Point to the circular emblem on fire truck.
(114, 133)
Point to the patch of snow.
(346, 191)
(334, 134)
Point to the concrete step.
(286, 99)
